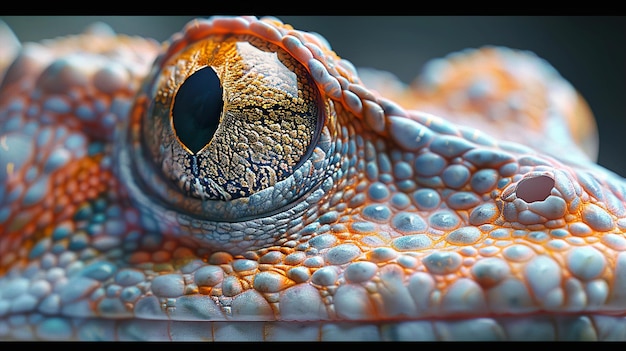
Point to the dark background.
(588, 51)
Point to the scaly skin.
(349, 217)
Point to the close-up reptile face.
(241, 181)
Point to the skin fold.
(320, 202)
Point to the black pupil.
(197, 109)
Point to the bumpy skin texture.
(395, 223)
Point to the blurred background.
(588, 51)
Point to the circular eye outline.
(306, 177)
(269, 119)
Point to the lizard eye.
(228, 126)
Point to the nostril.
(533, 189)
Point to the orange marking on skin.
(161, 257)
(27, 226)
(139, 257)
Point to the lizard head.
(256, 177)
(370, 188)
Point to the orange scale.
(44, 219)
(182, 252)
(69, 169)
(139, 257)
(79, 198)
(161, 256)
(198, 33)
(58, 201)
(70, 187)
(92, 193)
(67, 211)
(170, 245)
(93, 181)
(49, 202)
(57, 182)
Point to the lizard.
(241, 181)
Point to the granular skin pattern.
(241, 181)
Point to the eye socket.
(229, 128)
